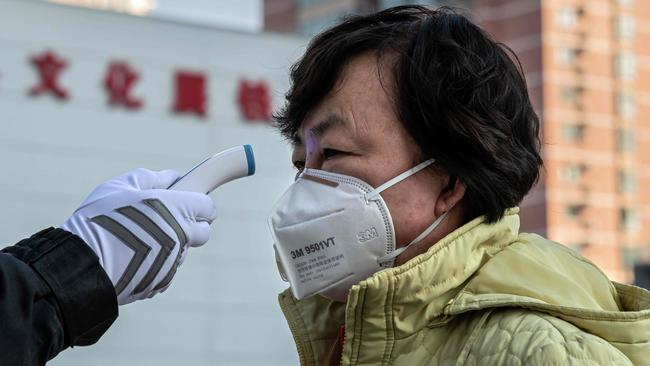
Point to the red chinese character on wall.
(119, 81)
(254, 101)
(49, 67)
(191, 96)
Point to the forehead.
(359, 99)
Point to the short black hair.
(460, 95)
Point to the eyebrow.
(331, 121)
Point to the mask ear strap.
(395, 253)
(375, 192)
(428, 230)
(278, 262)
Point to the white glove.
(140, 230)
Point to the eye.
(328, 153)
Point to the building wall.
(280, 16)
(635, 161)
(221, 308)
(596, 198)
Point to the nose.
(311, 162)
(314, 159)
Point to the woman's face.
(355, 131)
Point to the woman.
(415, 141)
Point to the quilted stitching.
(510, 337)
(520, 337)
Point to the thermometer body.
(218, 169)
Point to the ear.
(450, 196)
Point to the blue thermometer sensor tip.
(250, 159)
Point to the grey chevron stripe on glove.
(140, 230)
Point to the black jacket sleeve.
(53, 294)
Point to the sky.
(238, 14)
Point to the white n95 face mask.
(332, 231)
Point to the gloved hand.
(141, 231)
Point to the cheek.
(407, 214)
(412, 205)
(404, 202)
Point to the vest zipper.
(341, 341)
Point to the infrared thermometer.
(218, 169)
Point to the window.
(627, 182)
(568, 17)
(309, 3)
(630, 220)
(578, 247)
(625, 27)
(625, 105)
(574, 211)
(385, 4)
(315, 25)
(573, 132)
(572, 94)
(625, 140)
(572, 173)
(626, 66)
(630, 256)
(568, 56)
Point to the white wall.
(221, 308)
(241, 14)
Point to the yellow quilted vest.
(483, 295)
